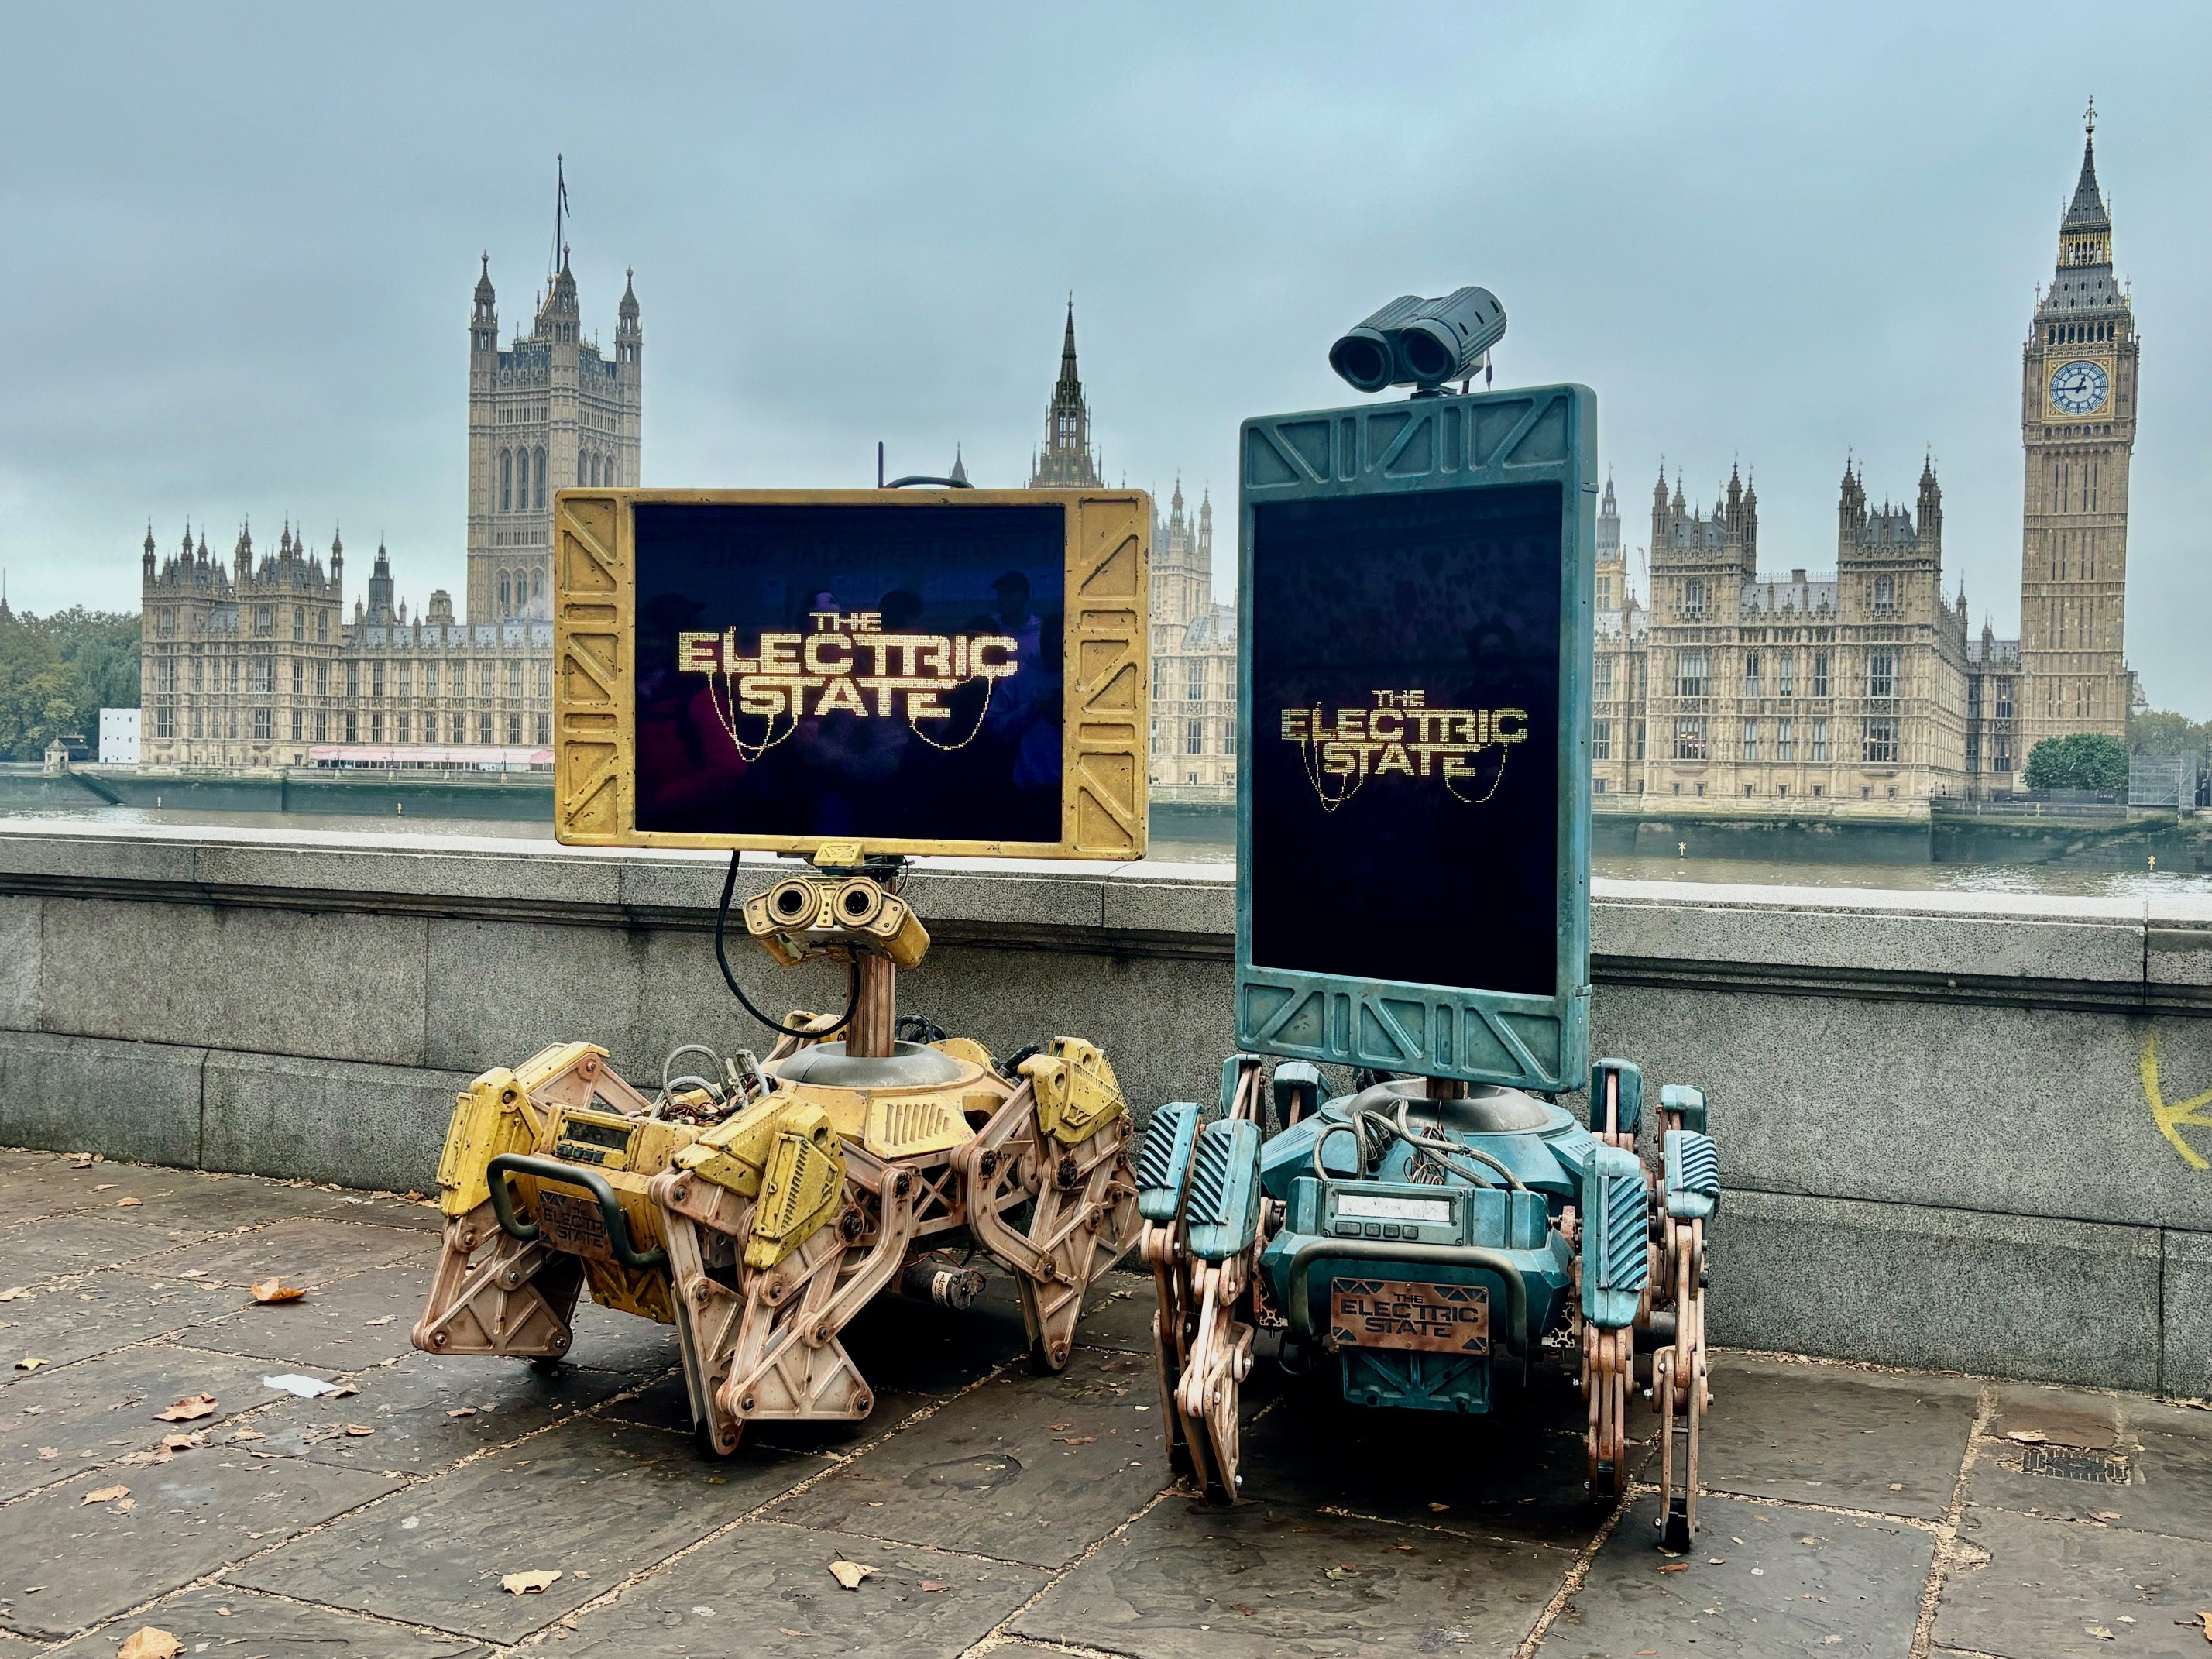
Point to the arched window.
(506, 479)
(595, 469)
(537, 584)
(539, 499)
(505, 608)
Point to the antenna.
(560, 212)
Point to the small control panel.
(605, 1141)
(1391, 1213)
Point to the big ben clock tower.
(2078, 423)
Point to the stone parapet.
(1970, 1104)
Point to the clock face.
(2079, 388)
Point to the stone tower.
(1182, 562)
(1065, 461)
(546, 411)
(1612, 590)
(2077, 421)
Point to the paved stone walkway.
(1850, 1511)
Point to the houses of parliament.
(1863, 686)
(254, 662)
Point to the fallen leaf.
(147, 1458)
(374, 1323)
(104, 1495)
(190, 1409)
(787, 1631)
(105, 1186)
(357, 1430)
(2027, 1436)
(1676, 1566)
(1342, 1573)
(1897, 1486)
(128, 1203)
(275, 1289)
(2101, 1633)
(1439, 1509)
(148, 1642)
(13, 1291)
(850, 1573)
(930, 1587)
(122, 1506)
(462, 1411)
(28, 1365)
(1808, 1541)
(249, 1434)
(1078, 1439)
(1061, 1428)
(528, 1584)
(48, 1452)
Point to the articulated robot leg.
(1198, 1193)
(496, 1295)
(1082, 1195)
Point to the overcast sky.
(237, 244)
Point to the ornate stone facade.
(1847, 687)
(257, 665)
(1193, 715)
(545, 411)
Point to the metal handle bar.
(549, 1168)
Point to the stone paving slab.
(242, 1624)
(189, 1517)
(304, 1250)
(609, 1340)
(2049, 1586)
(358, 1321)
(89, 1415)
(81, 1242)
(2068, 1456)
(592, 1501)
(79, 1317)
(764, 1589)
(426, 1412)
(1024, 1468)
(1186, 1582)
(1521, 1473)
(1761, 1579)
(1834, 1435)
(45, 1182)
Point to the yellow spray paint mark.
(2170, 1119)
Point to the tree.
(57, 672)
(2083, 760)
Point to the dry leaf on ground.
(128, 1203)
(850, 1573)
(105, 1186)
(48, 1453)
(1078, 1439)
(28, 1365)
(275, 1289)
(13, 1291)
(148, 1642)
(357, 1430)
(104, 1495)
(190, 1409)
(2027, 1436)
(374, 1323)
(1676, 1566)
(930, 1587)
(528, 1584)
(462, 1411)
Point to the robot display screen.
(1404, 763)
(820, 670)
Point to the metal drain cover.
(2072, 1463)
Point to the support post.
(875, 1015)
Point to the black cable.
(722, 919)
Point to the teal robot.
(1413, 914)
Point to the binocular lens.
(1365, 363)
(1426, 356)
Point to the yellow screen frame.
(1104, 769)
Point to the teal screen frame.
(1477, 1029)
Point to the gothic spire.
(2086, 211)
